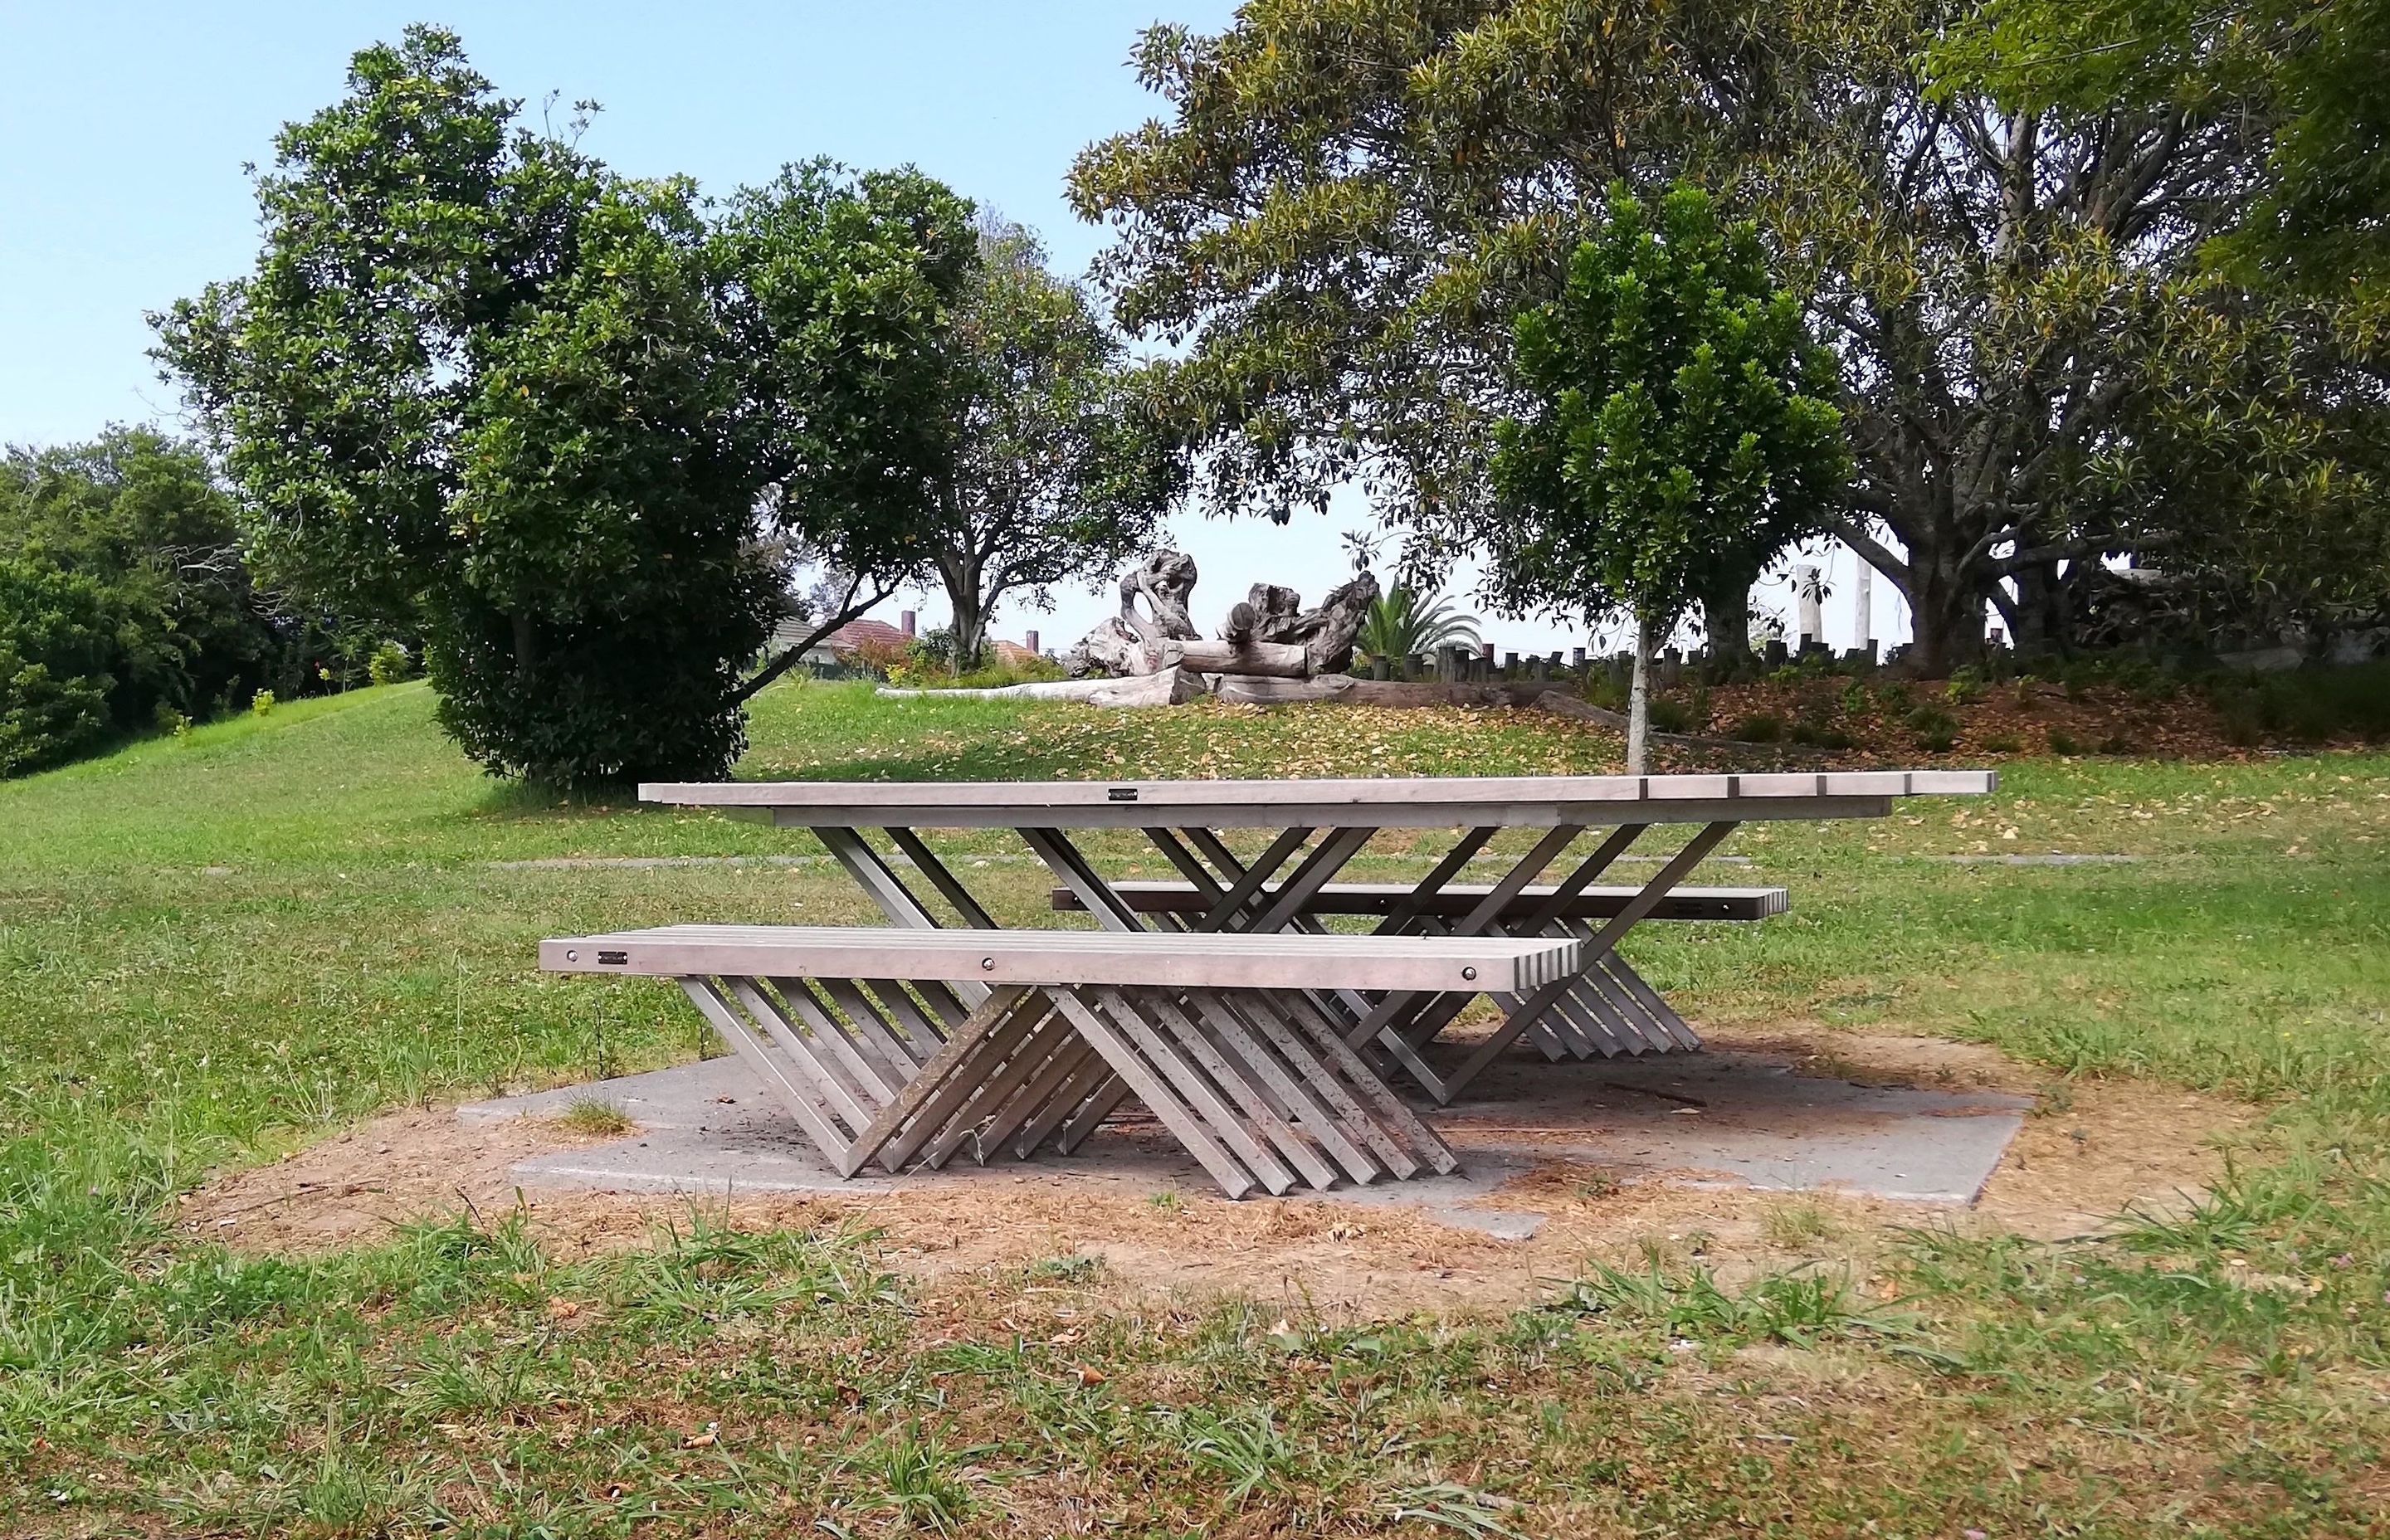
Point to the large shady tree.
(1348, 199)
(1678, 420)
(558, 419)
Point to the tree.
(57, 646)
(2312, 68)
(1061, 471)
(128, 576)
(842, 291)
(1348, 199)
(1680, 418)
(1349, 204)
(1406, 623)
(480, 381)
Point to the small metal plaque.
(1122, 793)
(613, 959)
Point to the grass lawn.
(217, 948)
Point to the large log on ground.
(1171, 687)
(1237, 690)
(1343, 687)
(1119, 644)
(1275, 659)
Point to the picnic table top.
(1382, 802)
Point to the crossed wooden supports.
(903, 1047)
(1260, 1098)
(900, 1048)
(1607, 1008)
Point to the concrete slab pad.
(708, 1129)
(1746, 1119)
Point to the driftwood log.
(1131, 643)
(1267, 635)
(1171, 687)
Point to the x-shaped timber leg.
(1445, 1087)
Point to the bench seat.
(1451, 903)
(1164, 959)
(904, 1045)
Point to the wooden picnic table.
(1321, 827)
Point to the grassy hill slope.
(213, 946)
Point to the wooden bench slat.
(1382, 898)
(1180, 959)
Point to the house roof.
(1012, 652)
(854, 636)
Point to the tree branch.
(848, 611)
(2090, 544)
(1870, 550)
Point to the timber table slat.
(1385, 898)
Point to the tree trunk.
(970, 639)
(1945, 611)
(1638, 701)
(2039, 620)
(960, 575)
(1726, 621)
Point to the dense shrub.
(1761, 728)
(55, 648)
(1935, 729)
(126, 600)
(390, 663)
(2307, 705)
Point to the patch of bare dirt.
(2081, 1157)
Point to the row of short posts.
(1464, 664)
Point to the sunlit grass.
(215, 947)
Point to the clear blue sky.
(124, 130)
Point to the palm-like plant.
(1404, 622)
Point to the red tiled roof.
(854, 636)
(1012, 652)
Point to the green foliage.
(1934, 728)
(1811, 734)
(1762, 727)
(2309, 705)
(1345, 200)
(2322, 212)
(1677, 426)
(1406, 622)
(56, 644)
(1671, 715)
(923, 668)
(1345, 205)
(390, 663)
(1063, 469)
(262, 703)
(126, 596)
(479, 383)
